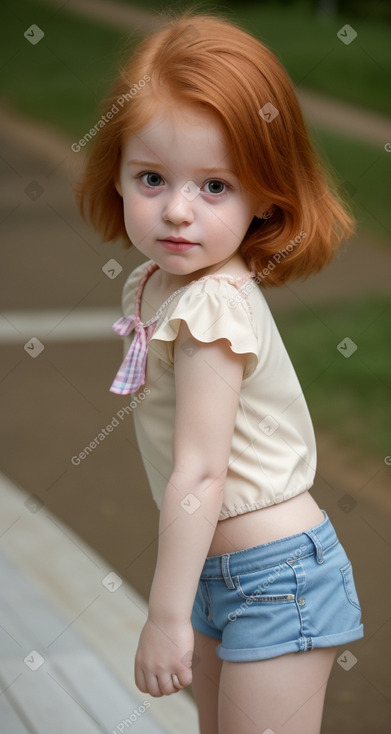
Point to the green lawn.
(364, 175)
(316, 59)
(62, 78)
(349, 396)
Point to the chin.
(177, 264)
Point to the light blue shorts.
(290, 595)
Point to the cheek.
(136, 214)
(229, 222)
(240, 218)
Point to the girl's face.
(176, 181)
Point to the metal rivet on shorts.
(301, 601)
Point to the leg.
(283, 694)
(206, 676)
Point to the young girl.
(205, 166)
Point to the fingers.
(164, 685)
(139, 678)
(185, 677)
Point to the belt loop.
(225, 571)
(317, 544)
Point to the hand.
(164, 649)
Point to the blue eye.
(153, 179)
(216, 187)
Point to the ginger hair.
(209, 61)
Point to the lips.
(178, 240)
(176, 244)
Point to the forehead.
(181, 133)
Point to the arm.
(207, 382)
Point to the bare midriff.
(263, 526)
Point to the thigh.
(206, 677)
(283, 694)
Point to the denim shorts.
(290, 595)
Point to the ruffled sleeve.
(213, 309)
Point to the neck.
(169, 281)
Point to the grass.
(316, 59)
(62, 79)
(349, 396)
(364, 176)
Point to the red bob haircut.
(208, 61)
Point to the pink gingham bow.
(131, 374)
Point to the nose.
(179, 206)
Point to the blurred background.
(61, 290)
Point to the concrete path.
(69, 632)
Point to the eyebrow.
(152, 164)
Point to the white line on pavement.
(57, 325)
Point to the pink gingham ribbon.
(131, 374)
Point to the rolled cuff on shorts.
(273, 651)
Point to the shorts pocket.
(350, 587)
(267, 586)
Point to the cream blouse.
(273, 451)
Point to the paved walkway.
(69, 632)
